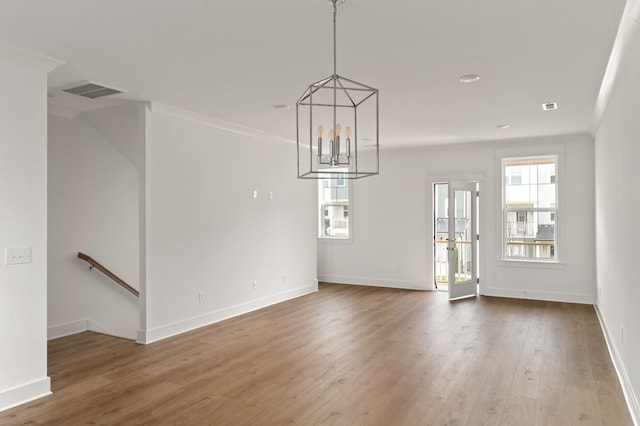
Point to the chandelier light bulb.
(331, 134)
(347, 132)
(338, 129)
(320, 131)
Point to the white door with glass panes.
(462, 239)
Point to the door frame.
(479, 178)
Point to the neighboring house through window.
(530, 200)
(333, 202)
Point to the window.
(530, 208)
(333, 202)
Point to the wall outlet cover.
(17, 255)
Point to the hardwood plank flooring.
(346, 355)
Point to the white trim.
(25, 393)
(67, 329)
(156, 107)
(618, 364)
(374, 282)
(535, 264)
(28, 59)
(478, 177)
(80, 326)
(335, 240)
(625, 39)
(532, 150)
(551, 296)
(165, 331)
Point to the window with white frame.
(333, 202)
(530, 200)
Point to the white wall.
(23, 223)
(207, 234)
(393, 232)
(93, 208)
(618, 221)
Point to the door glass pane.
(463, 256)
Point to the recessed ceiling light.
(549, 106)
(281, 106)
(469, 78)
(503, 126)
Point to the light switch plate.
(17, 255)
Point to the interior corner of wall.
(622, 46)
(142, 337)
(147, 106)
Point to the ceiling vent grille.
(549, 106)
(90, 90)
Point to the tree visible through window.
(333, 200)
(530, 208)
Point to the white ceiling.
(234, 59)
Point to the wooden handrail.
(95, 264)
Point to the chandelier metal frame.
(332, 98)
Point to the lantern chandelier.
(326, 108)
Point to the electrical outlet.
(201, 297)
(255, 284)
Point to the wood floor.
(347, 356)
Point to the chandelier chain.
(335, 12)
(335, 66)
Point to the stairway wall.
(93, 208)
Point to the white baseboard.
(67, 329)
(150, 336)
(22, 394)
(627, 389)
(373, 282)
(586, 299)
(80, 326)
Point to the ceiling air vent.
(90, 90)
(550, 106)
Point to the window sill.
(537, 264)
(335, 240)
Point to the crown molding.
(28, 59)
(626, 37)
(213, 122)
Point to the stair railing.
(95, 264)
